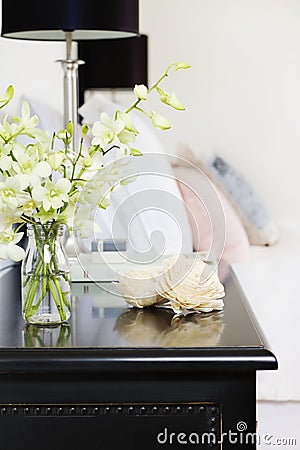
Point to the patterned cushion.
(253, 214)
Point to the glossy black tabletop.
(103, 327)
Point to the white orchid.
(8, 245)
(128, 123)
(106, 131)
(5, 160)
(7, 130)
(52, 195)
(170, 100)
(8, 217)
(93, 164)
(11, 194)
(7, 96)
(28, 166)
(39, 185)
(160, 121)
(26, 122)
(56, 159)
(83, 221)
(141, 91)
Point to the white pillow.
(150, 212)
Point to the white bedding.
(270, 280)
(278, 420)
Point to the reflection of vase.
(35, 336)
(45, 276)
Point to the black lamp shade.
(88, 19)
(113, 64)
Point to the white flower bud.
(141, 91)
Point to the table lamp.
(67, 20)
(113, 64)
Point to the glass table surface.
(102, 319)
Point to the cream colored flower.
(187, 287)
(181, 281)
(138, 289)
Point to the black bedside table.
(119, 378)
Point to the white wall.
(242, 93)
(30, 67)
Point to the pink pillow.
(213, 221)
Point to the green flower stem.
(53, 140)
(155, 85)
(76, 160)
(58, 305)
(63, 295)
(25, 282)
(44, 290)
(144, 112)
(61, 299)
(20, 226)
(28, 310)
(13, 136)
(31, 277)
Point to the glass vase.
(45, 276)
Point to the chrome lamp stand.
(70, 68)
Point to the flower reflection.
(161, 328)
(194, 330)
(43, 337)
(143, 326)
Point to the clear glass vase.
(45, 276)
